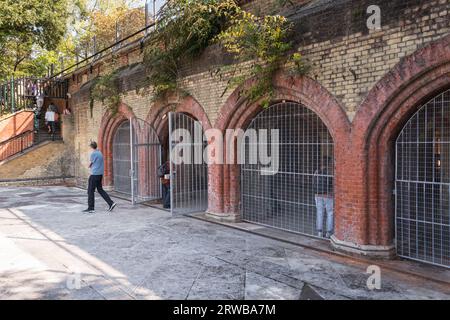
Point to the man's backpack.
(162, 170)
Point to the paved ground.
(49, 250)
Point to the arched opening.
(422, 184)
(122, 159)
(299, 195)
(146, 159)
(188, 171)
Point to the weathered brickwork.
(364, 84)
(46, 163)
(48, 160)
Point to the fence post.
(61, 60)
(12, 93)
(154, 12)
(146, 17)
(117, 35)
(77, 58)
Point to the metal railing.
(92, 52)
(16, 144)
(25, 93)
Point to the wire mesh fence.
(146, 159)
(287, 199)
(189, 179)
(423, 184)
(122, 159)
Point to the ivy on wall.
(185, 28)
(105, 88)
(264, 41)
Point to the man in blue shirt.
(95, 180)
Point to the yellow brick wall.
(348, 66)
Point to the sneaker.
(320, 234)
(88, 211)
(328, 235)
(111, 207)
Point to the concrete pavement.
(50, 250)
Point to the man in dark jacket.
(323, 191)
(164, 175)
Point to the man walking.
(50, 118)
(95, 180)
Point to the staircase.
(29, 95)
(41, 133)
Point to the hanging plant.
(264, 41)
(184, 30)
(105, 89)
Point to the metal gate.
(188, 179)
(146, 159)
(422, 184)
(122, 159)
(286, 199)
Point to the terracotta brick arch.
(369, 217)
(159, 112)
(237, 114)
(108, 127)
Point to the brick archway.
(236, 114)
(108, 127)
(158, 115)
(368, 219)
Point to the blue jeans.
(324, 203)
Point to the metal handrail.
(24, 144)
(113, 46)
(25, 93)
(15, 137)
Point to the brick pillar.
(220, 187)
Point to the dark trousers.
(52, 125)
(166, 195)
(95, 182)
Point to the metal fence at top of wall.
(94, 50)
(127, 32)
(26, 93)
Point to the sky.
(133, 3)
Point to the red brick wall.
(12, 126)
(16, 124)
(109, 124)
(364, 85)
(363, 148)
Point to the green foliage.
(185, 28)
(26, 25)
(300, 66)
(106, 90)
(265, 42)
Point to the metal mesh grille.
(423, 184)
(286, 200)
(146, 160)
(122, 159)
(189, 181)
